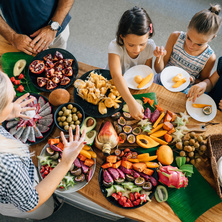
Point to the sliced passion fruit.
(80, 178)
(121, 121)
(122, 137)
(126, 115)
(136, 131)
(127, 129)
(129, 177)
(139, 181)
(116, 115)
(106, 184)
(120, 180)
(76, 171)
(147, 186)
(118, 128)
(50, 151)
(131, 138)
(207, 110)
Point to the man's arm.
(45, 36)
(19, 41)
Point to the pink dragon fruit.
(172, 177)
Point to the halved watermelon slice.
(41, 102)
(31, 136)
(45, 106)
(19, 132)
(46, 121)
(38, 134)
(46, 111)
(11, 123)
(42, 128)
(25, 134)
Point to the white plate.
(167, 75)
(78, 185)
(141, 70)
(197, 113)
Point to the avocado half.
(90, 137)
(88, 124)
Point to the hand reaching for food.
(196, 91)
(136, 110)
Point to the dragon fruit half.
(172, 177)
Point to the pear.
(19, 66)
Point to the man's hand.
(22, 43)
(42, 39)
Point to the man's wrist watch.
(54, 26)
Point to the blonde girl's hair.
(207, 21)
(10, 146)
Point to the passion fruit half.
(207, 110)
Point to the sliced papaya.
(145, 141)
(162, 142)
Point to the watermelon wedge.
(19, 132)
(31, 136)
(25, 134)
(11, 123)
(38, 134)
(42, 128)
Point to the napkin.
(8, 61)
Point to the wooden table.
(153, 211)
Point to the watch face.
(55, 25)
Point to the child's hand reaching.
(160, 51)
(136, 110)
(196, 91)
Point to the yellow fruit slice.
(162, 142)
(159, 133)
(177, 77)
(19, 66)
(195, 105)
(145, 81)
(179, 83)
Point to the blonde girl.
(131, 47)
(190, 50)
(21, 195)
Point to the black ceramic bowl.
(72, 111)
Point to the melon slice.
(46, 121)
(46, 111)
(31, 136)
(45, 106)
(41, 102)
(38, 134)
(12, 123)
(42, 128)
(19, 132)
(25, 134)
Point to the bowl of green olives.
(69, 115)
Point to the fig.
(147, 186)
(76, 171)
(139, 181)
(80, 178)
(121, 174)
(77, 163)
(129, 177)
(153, 181)
(135, 174)
(50, 151)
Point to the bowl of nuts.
(69, 115)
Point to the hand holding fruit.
(22, 43)
(42, 38)
(136, 110)
(196, 90)
(160, 51)
(73, 147)
(19, 107)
